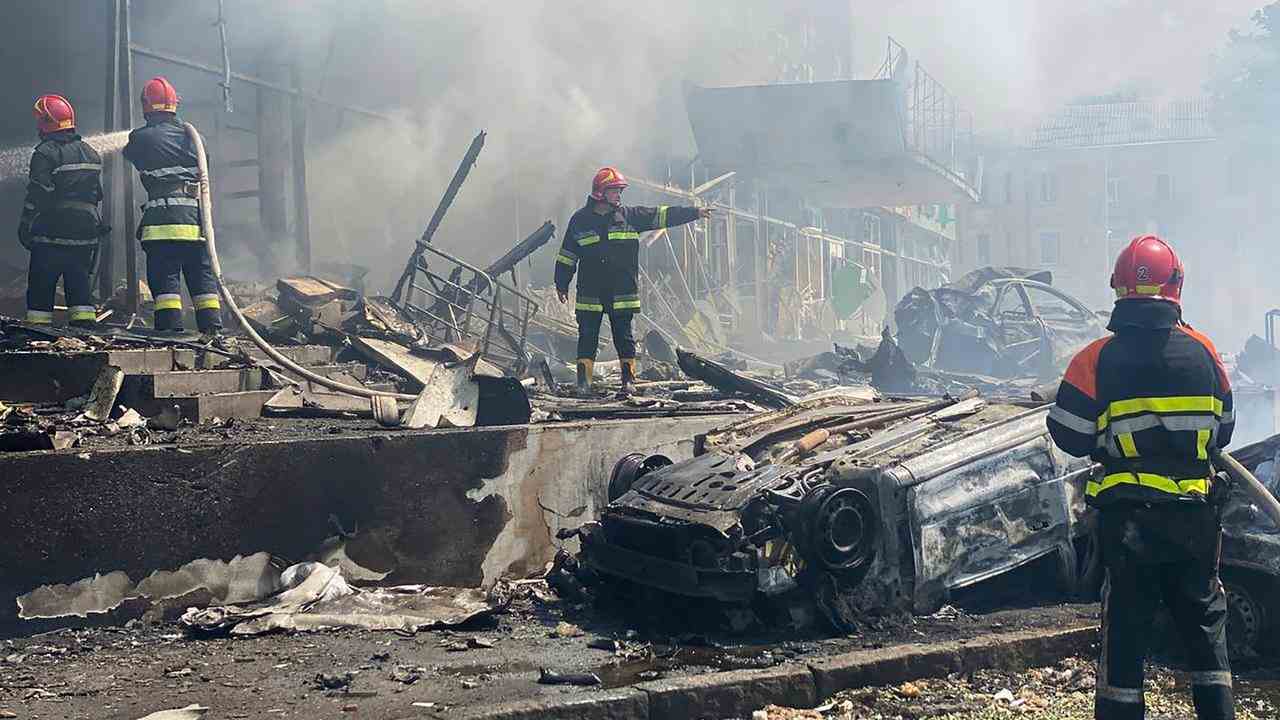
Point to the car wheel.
(1247, 617)
(1079, 568)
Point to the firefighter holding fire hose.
(1152, 404)
(170, 226)
(61, 221)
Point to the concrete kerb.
(737, 693)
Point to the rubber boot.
(628, 366)
(585, 366)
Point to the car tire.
(1079, 568)
(1250, 621)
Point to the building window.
(871, 228)
(1049, 246)
(1164, 187)
(1048, 188)
(1008, 188)
(984, 249)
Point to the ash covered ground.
(127, 672)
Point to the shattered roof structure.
(1131, 123)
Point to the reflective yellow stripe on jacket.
(1117, 424)
(171, 232)
(1151, 480)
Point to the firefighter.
(1150, 403)
(170, 226)
(61, 222)
(602, 240)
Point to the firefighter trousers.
(1168, 553)
(167, 262)
(589, 333)
(72, 263)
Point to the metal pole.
(252, 80)
(301, 205)
(130, 207)
(226, 57)
(106, 257)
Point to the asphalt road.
(132, 671)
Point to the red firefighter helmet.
(1148, 269)
(606, 179)
(53, 113)
(159, 95)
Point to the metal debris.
(721, 377)
(190, 712)
(552, 677)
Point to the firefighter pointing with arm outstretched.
(1151, 403)
(602, 245)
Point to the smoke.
(1011, 61)
(14, 162)
(565, 86)
(562, 87)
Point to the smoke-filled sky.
(566, 85)
(1010, 60)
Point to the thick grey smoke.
(561, 87)
(1010, 61)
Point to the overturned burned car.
(1000, 322)
(866, 508)
(859, 508)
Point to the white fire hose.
(206, 223)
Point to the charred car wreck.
(998, 322)
(883, 506)
(863, 509)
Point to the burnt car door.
(1039, 328)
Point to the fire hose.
(1255, 490)
(206, 225)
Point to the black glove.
(1220, 489)
(24, 236)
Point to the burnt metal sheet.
(722, 378)
(744, 432)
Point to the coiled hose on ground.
(206, 223)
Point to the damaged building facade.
(1088, 178)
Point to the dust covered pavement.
(128, 672)
(1061, 692)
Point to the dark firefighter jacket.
(1148, 403)
(63, 192)
(605, 252)
(166, 163)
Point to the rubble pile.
(1061, 692)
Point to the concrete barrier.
(448, 507)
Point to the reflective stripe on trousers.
(207, 301)
(80, 313)
(40, 317)
(169, 301)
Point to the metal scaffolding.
(711, 267)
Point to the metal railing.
(455, 302)
(935, 126)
